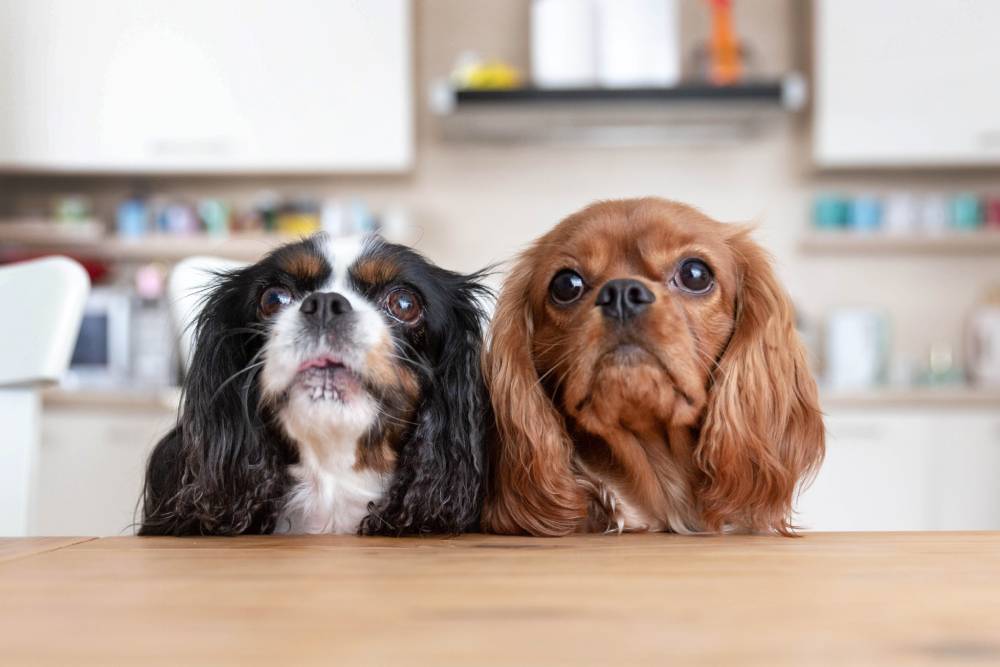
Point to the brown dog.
(646, 375)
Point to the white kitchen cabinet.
(196, 86)
(906, 83)
(965, 472)
(907, 469)
(913, 468)
(91, 466)
(874, 477)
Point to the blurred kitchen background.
(862, 138)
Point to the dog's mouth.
(327, 378)
(629, 354)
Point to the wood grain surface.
(844, 599)
(14, 547)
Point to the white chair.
(186, 290)
(43, 302)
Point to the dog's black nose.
(321, 307)
(624, 298)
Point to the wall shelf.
(913, 397)
(687, 113)
(953, 243)
(767, 92)
(89, 241)
(123, 398)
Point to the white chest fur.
(328, 493)
(330, 496)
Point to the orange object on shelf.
(297, 223)
(725, 59)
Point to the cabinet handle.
(192, 148)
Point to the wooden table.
(843, 599)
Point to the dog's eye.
(274, 299)
(566, 287)
(694, 276)
(403, 305)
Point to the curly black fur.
(438, 486)
(221, 469)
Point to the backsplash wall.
(478, 204)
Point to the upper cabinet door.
(904, 84)
(206, 85)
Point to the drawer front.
(90, 470)
(875, 475)
(965, 475)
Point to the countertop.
(825, 598)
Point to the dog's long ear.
(438, 485)
(219, 471)
(763, 431)
(531, 486)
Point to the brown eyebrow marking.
(305, 265)
(376, 271)
(657, 253)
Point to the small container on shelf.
(362, 220)
(900, 213)
(865, 214)
(830, 212)
(941, 368)
(903, 372)
(934, 215)
(966, 211)
(992, 212)
(133, 218)
(215, 216)
(178, 218)
(333, 217)
(298, 218)
(72, 209)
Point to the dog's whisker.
(232, 377)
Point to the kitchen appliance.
(638, 43)
(563, 44)
(856, 348)
(152, 350)
(983, 343)
(101, 355)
